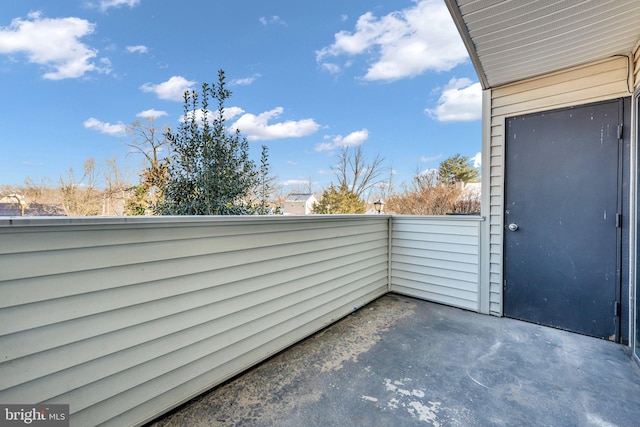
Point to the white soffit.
(511, 40)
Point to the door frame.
(634, 105)
(634, 227)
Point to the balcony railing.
(124, 319)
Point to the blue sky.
(307, 79)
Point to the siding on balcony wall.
(437, 259)
(125, 319)
(599, 81)
(636, 67)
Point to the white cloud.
(477, 160)
(425, 159)
(402, 44)
(229, 113)
(331, 68)
(246, 81)
(137, 49)
(172, 90)
(461, 100)
(353, 139)
(108, 4)
(118, 129)
(151, 114)
(53, 43)
(273, 20)
(258, 128)
(429, 172)
(296, 182)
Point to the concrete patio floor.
(404, 362)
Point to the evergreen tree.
(457, 168)
(264, 182)
(339, 201)
(210, 172)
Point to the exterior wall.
(295, 208)
(437, 259)
(594, 82)
(634, 306)
(299, 205)
(124, 319)
(308, 206)
(636, 68)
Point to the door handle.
(513, 227)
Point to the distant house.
(299, 204)
(34, 209)
(16, 205)
(472, 190)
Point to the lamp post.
(378, 205)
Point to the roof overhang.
(513, 40)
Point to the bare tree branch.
(354, 171)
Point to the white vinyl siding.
(437, 259)
(635, 78)
(599, 81)
(125, 319)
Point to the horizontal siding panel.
(439, 238)
(561, 77)
(109, 315)
(51, 311)
(17, 345)
(559, 100)
(495, 309)
(495, 228)
(138, 399)
(436, 261)
(518, 100)
(438, 250)
(171, 378)
(444, 294)
(495, 268)
(496, 160)
(263, 261)
(495, 253)
(226, 312)
(496, 239)
(446, 260)
(636, 67)
(495, 191)
(495, 169)
(454, 301)
(495, 297)
(435, 224)
(251, 330)
(22, 265)
(468, 284)
(431, 269)
(51, 235)
(497, 180)
(495, 279)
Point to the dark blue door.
(562, 205)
